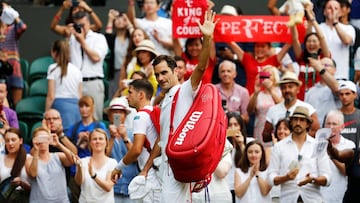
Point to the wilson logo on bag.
(195, 147)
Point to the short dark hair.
(179, 58)
(170, 61)
(80, 14)
(143, 85)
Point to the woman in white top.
(64, 85)
(47, 170)
(250, 179)
(13, 162)
(93, 174)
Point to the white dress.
(90, 190)
(253, 193)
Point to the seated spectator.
(12, 164)
(315, 46)
(12, 28)
(64, 85)
(118, 146)
(235, 96)
(266, 94)
(93, 173)
(64, 30)
(46, 170)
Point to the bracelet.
(256, 176)
(126, 141)
(90, 12)
(57, 18)
(62, 136)
(94, 176)
(322, 71)
(334, 24)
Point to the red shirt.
(192, 63)
(306, 76)
(253, 67)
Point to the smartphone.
(264, 75)
(117, 121)
(43, 138)
(1, 107)
(231, 132)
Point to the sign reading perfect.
(254, 29)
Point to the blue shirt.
(128, 173)
(89, 128)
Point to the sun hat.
(301, 112)
(146, 45)
(118, 103)
(290, 77)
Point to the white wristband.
(121, 165)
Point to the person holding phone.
(46, 170)
(315, 46)
(266, 94)
(120, 142)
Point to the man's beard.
(288, 100)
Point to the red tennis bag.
(195, 148)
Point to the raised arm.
(272, 7)
(283, 52)
(54, 26)
(131, 12)
(97, 22)
(325, 75)
(237, 50)
(207, 29)
(323, 44)
(295, 42)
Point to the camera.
(264, 75)
(6, 69)
(78, 27)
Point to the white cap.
(8, 15)
(228, 10)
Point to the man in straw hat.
(292, 165)
(289, 85)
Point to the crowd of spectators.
(98, 144)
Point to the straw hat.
(301, 112)
(118, 103)
(290, 77)
(146, 45)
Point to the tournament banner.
(232, 28)
(185, 14)
(254, 29)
